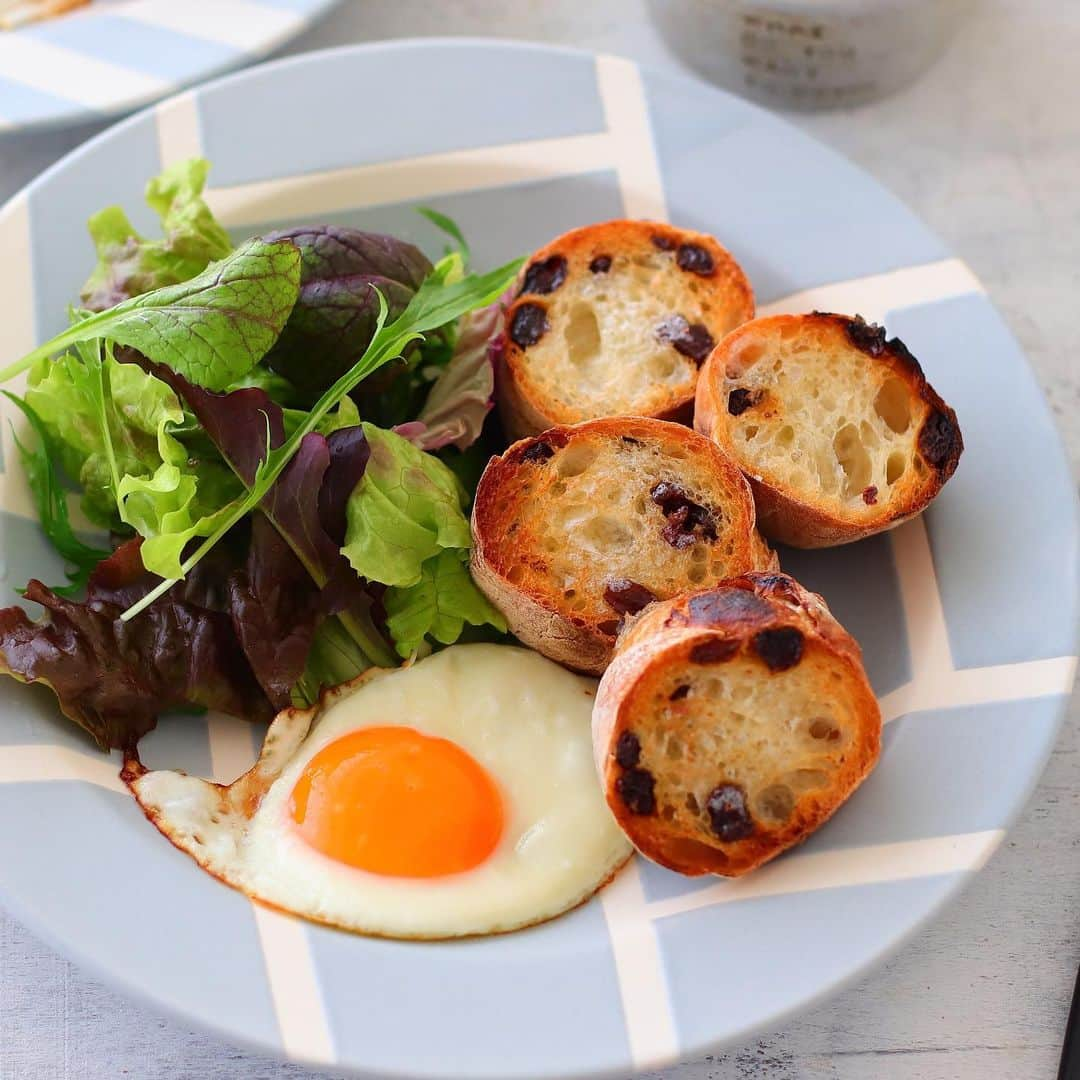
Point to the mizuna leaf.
(449, 226)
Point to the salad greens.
(338, 305)
(439, 604)
(435, 303)
(407, 507)
(50, 499)
(115, 427)
(114, 678)
(223, 412)
(128, 264)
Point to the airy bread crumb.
(837, 428)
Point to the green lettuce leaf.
(334, 658)
(212, 329)
(179, 501)
(129, 264)
(115, 425)
(103, 431)
(407, 507)
(439, 604)
(51, 501)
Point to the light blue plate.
(116, 55)
(968, 617)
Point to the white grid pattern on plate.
(294, 986)
(934, 684)
(627, 147)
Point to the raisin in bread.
(579, 527)
(731, 723)
(836, 427)
(616, 318)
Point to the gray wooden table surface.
(987, 150)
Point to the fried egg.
(453, 797)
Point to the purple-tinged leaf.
(338, 251)
(335, 315)
(238, 423)
(293, 505)
(129, 264)
(349, 454)
(114, 678)
(463, 393)
(275, 609)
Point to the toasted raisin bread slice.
(732, 723)
(581, 526)
(616, 318)
(836, 427)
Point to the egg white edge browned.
(285, 736)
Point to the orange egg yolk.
(391, 800)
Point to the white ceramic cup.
(810, 54)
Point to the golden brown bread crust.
(681, 274)
(573, 530)
(732, 404)
(751, 626)
(765, 559)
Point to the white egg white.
(523, 718)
